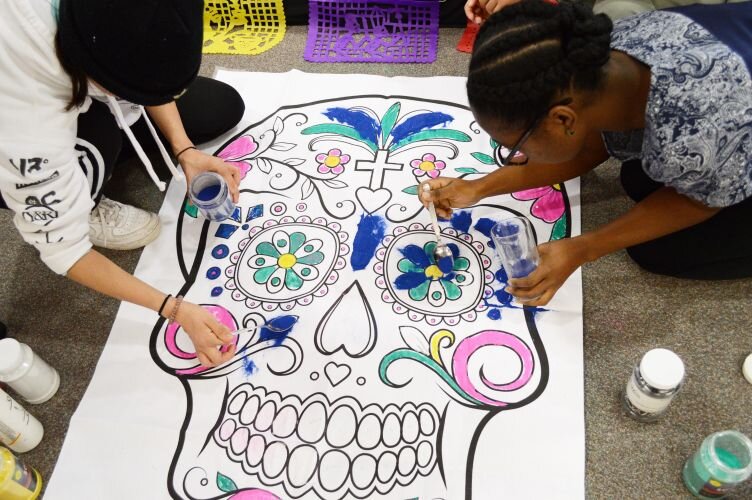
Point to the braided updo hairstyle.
(531, 51)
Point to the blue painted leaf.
(467, 170)
(411, 190)
(362, 122)
(390, 118)
(484, 158)
(416, 255)
(418, 122)
(226, 484)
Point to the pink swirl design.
(220, 314)
(470, 345)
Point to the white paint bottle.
(654, 382)
(26, 373)
(19, 430)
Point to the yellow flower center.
(433, 272)
(286, 261)
(331, 161)
(426, 166)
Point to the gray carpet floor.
(626, 312)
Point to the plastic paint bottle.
(17, 481)
(26, 373)
(654, 382)
(211, 196)
(515, 246)
(19, 430)
(723, 462)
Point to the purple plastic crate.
(384, 31)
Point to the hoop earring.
(570, 132)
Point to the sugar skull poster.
(363, 369)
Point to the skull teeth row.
(345, 446)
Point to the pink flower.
(549, 202)
(427, 165)
(333, 162)
(240, 149)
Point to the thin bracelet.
(177, 156)
(174, 313)
(164, 303)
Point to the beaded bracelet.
(164, 303)
(174, 313)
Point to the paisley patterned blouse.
(698, 124)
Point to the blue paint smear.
(501, 276)
(249, 367)
(461, 221)
(362, 122)
(445, 264)
(494, 314)
(416, 255)
(371, 230)
(455, 250)
(419, 122)
(484, 226)
(281, 327)
(409, 280)
(504, 298)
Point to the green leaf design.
(191, 209)
(226, 484)
(427, 135)
(411, 190)
(560, 228)
(390, 118)
(336, 128)
(467, 170)
(484, 158)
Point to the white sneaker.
(118, 226)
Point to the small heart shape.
(372, 200)
(336, 373)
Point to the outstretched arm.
(663, 212)
(99, 273)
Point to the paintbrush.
(442, 254)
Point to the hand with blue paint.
(447, 193)
(558, 260)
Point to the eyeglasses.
(504, 160)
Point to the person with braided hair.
(669, 93)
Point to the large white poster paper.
(399, 379)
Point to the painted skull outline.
(328, 185)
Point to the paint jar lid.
(662, 369)
(11, 355)
(747, 368)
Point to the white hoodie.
(40, 176)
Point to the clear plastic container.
(211, 196)
(516, 246)
(723, 462)
(26, 373)
(17, 481)
(19, 430)
(655, 380)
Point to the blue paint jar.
(723, 462)
(211, 196)
(516, 246)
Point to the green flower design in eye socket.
(287, 261)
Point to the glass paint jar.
(723, 462)
(654, 382)
(515, 245)
(210, 194)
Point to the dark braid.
(531, 51)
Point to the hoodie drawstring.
(115, 107)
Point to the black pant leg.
(716, 249)
(98, 145)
